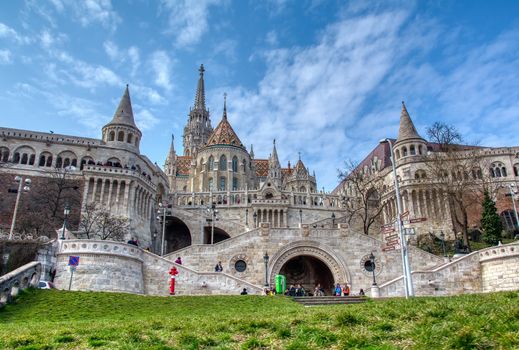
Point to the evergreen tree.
(490, 221)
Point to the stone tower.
(122, 131)
(409, 144)
(198, 127)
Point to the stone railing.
(499, 252)
(78, 246)
(21, 278)
(101, 169)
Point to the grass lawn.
(43, 319)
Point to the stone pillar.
(85, 193)
(375, 291)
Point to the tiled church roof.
(262, 167)
(183, 165)
(224, 135)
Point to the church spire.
(172, 146)
(274, 160)
(251, 151)
(224, 106)
(407, 130)
(200, 90)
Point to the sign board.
(404, 214)
(388, 248)
(388, 229)
(391, 237)
(73, 260)
(413, 221)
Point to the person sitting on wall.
(361, 293)
(178, 261)
(338, 290)
(132, 241)
(346, 290)
(292, 291)
(218, 267)
(300, 291)
(244, 291)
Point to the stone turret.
(198, 128)
(170, 166)
(409, 143)
(274, 166)
(122, 131)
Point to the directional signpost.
(73, 262)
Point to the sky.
(323, 78)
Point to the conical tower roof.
(274, 160)
(224, 134)
(124, 112)
(200, 90)
(407, 130)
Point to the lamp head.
(28, 182)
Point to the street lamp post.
(372, 261)
(442, 237)
(300, 216)
(213, 211)
(26, 188)
(512, 194)
(162, 211)
(266, 261)
(66, 212)
(247, 217)
(408, 282)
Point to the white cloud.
(92, 11)
(9, 33)
(112, 50)
(272, 38)
(133, 53)
(145, 119)
(5, 57)
(121, 55)
(188, 20)
(161, 66)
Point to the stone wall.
(500, 268)
(103, 266)
(21, 278)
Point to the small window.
(404, 151)
(223, 162)
(120, 137)
(240, 266)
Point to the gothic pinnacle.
(200, 91)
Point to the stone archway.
(309, 262)
(219, 235)
(177, 235)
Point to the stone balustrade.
(11, 283)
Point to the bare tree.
(457, 173)
(111, 227)
(98, 222)
(364, 201)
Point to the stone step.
(329, 300)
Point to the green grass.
(80, 320)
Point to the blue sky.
(324, 78)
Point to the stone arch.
(177, 235)
(312, 249)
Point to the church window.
(31, 159)
(412, 150)
(397, 154)
(4, 154)
(404, 151)
(222, 184)
(235, 164)
(420, 149)
(137, 141)
(24, 159)
(59, 162)
(120, 137)
(111, 136)
(210, 164)
(49, 161)
(129, 138)
(210, 183)
(508, 218)
(244, 165)
(302, 189)
(42, 161)
(223, 162)
(420, 174)
(66, 162)
(234, 183)
(498, 170)
(516, 169)
(476, 173)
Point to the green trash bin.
(281, 284)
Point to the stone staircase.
(329, 300)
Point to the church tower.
(198, 127)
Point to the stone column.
(85, 193)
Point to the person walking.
(218, 267)
(178, 261)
